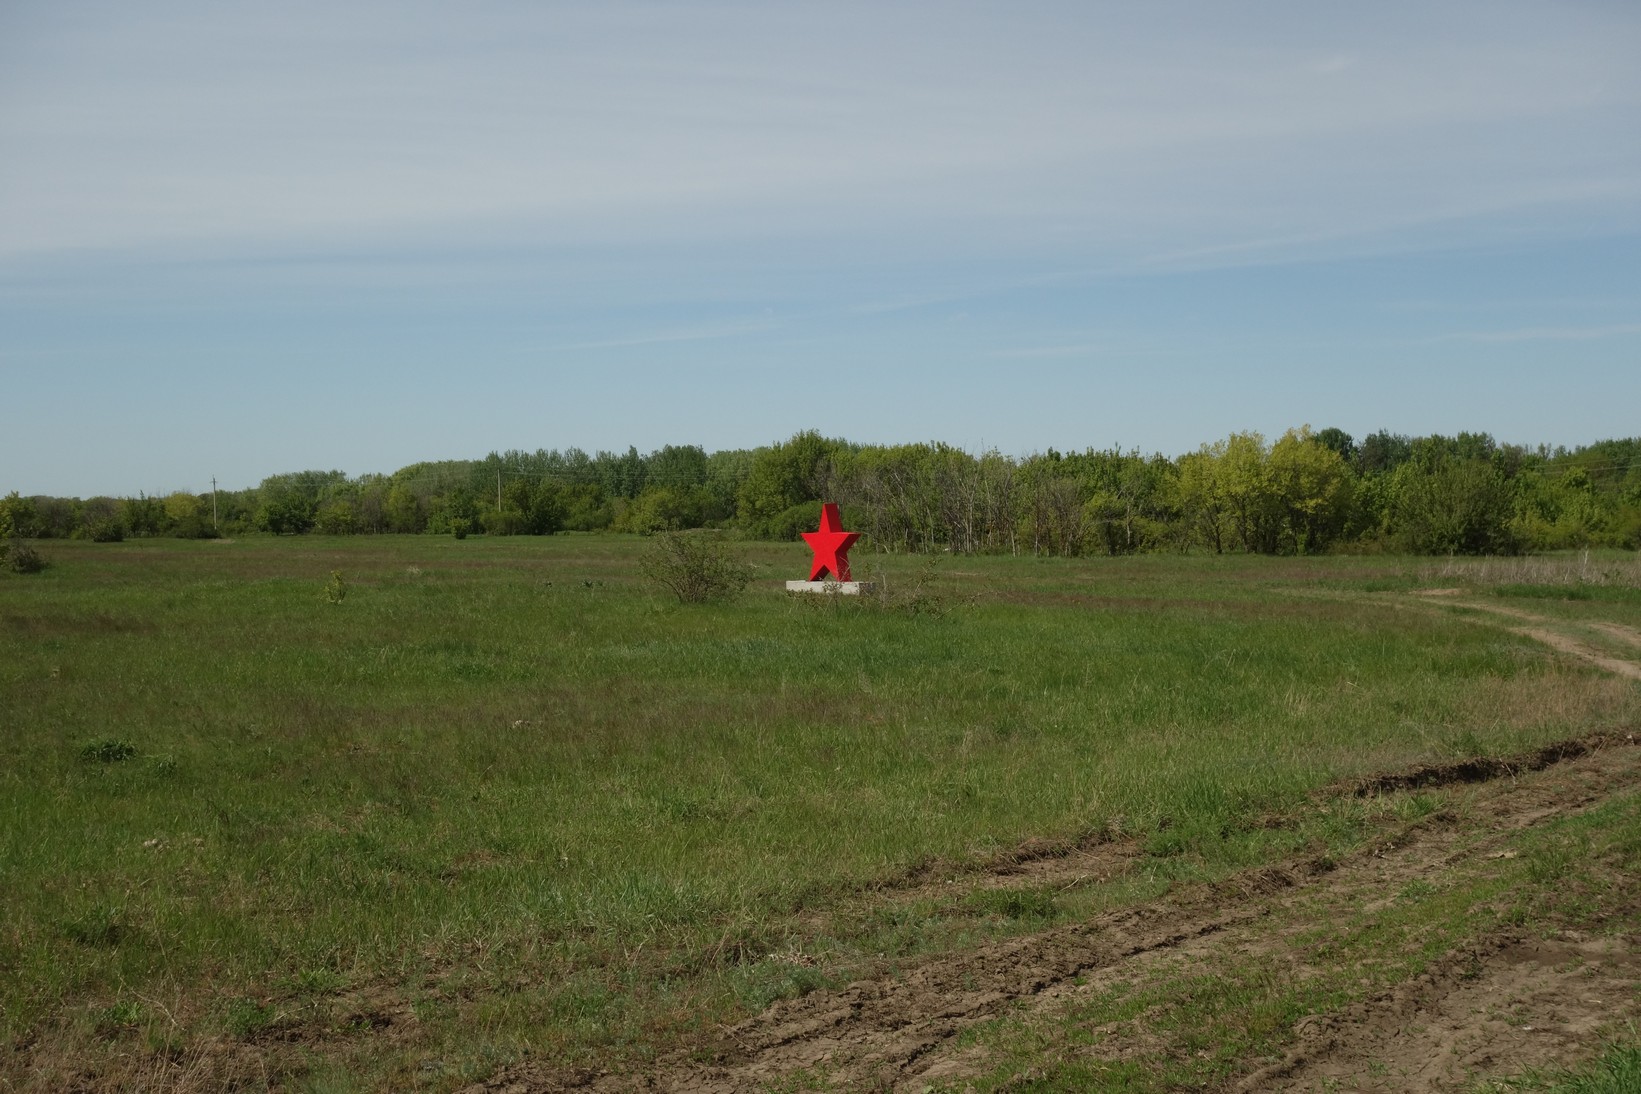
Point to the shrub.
(505, 522)
(20, 558)
(695, 566)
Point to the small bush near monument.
(695, 566)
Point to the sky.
(244, 239)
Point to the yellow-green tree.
(1294, 496)
(186, 516)
(180, 506)
(1200, 499)
(1314, 488)
(1250, 495)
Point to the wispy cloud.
(1082, 128)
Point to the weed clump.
(119, 1018)
(99, 928)
(109, 750)
(912, 595)
(1012, 903)
(336, 590)
(916, 595)
(247, 1018)
(696, 567)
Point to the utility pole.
(214, 527)
(498, 489)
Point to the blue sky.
(243, 239)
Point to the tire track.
(898, 1032)
(1546, 630)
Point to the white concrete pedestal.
(836, 588)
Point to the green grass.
(1615, 1071)
(506, 795)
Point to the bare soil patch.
(1628, 635)
(1574, 648)
(1502, 1008)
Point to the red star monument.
(831, 545)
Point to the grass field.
(485, 800)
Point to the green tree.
(666, 509)
(58, 517)
(1382, 452)
(19, 517)
(679, 467)
(143, 515)
(785, 475)
(289, 503)
(1129, 498)
(456, 514)
(622, 476)
(545, 509)
(1052, 500)
(586, 509)
(405, 511)
(335, 517)
(1339, 442)
(101, 520)
(1453, 506)
(370, 505)
(725, 471)
(187, 516)
(1200, 499)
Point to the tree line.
(1303, 493)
